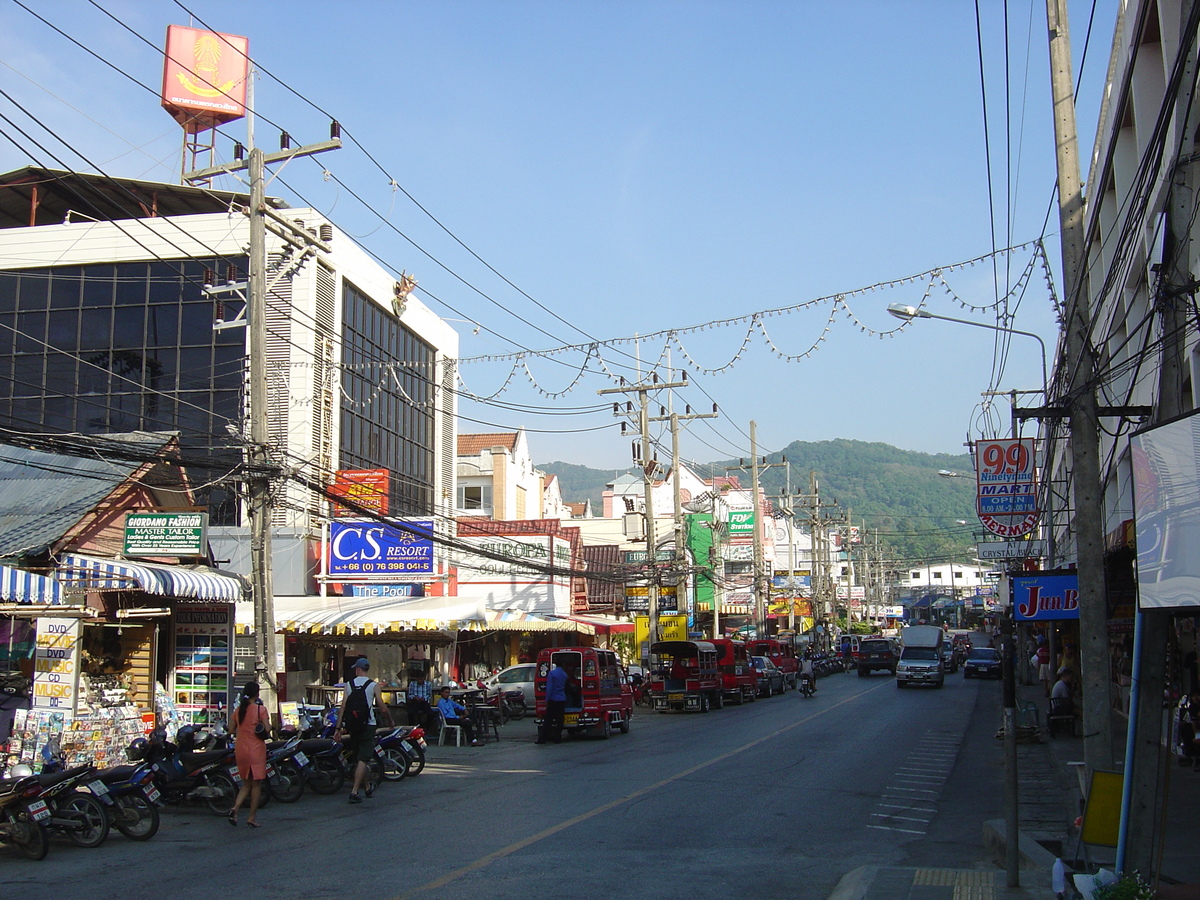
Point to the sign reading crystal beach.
(1007, 488)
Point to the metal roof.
(43, 495)
(35, 196)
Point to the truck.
(920, 656)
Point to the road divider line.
(490, 858)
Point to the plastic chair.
(457, 729)
(1061, 715)
(1028, 714)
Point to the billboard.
(1166, 509)
(367, 489)
(1006, 488)
(1045, 597)
(369, 548)
(204, 77)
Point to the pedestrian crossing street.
(909, 802)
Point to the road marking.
(490, 858)
(905, 830)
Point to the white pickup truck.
(920, 656)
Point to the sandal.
(254, 825)
(232, 817)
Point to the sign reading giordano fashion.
(166, 534)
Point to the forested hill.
(897, 492)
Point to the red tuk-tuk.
(782, 653)
(605, 697)
(739, 682)
(684, 675)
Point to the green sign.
(166, 534)
(741, 522)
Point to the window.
(475, 497)
(916, 576)
(937, 575)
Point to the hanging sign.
(56, 664)
(166, 534)
(1006, 486)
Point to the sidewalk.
(1049, 800)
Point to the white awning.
(19, 586)
(192, 583)
(318, 615)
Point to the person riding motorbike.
(806, 671)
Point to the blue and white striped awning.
(89, 573)
(19, 586)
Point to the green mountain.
(895, 495)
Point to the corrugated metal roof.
(42, 495)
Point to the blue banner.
(372, 548)
(1044, 598)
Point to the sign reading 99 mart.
(368, 548)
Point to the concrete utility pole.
(760, 605)
(258, 450)
(649, 466)
(1081, 400)
(1143, 757)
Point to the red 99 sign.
(1005, 457)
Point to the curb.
(1032, 855)
(855, 883)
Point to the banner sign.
(385, 590)
(1006, 486)
(1044, 598)
(166, 534)
(56, 664)
(204, 77)
(1012, 550)
(1166, 510)
(741, 523)
(371, 548)
(365, 488)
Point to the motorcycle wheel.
(139, 818)
(90, 824)
(288, 783)
(226, 791)
(30, 838)
(416, 762)
(516, 709)
(395, 763)
(326, 776)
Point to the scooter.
(181, 773)
(75, 811)
(131, 797)
(402, 751)
(22, 814)
(808, 685)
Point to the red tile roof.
(474, 444)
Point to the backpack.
(358, 709)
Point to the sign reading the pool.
(373, 548)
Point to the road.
(779, 798)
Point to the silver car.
(514, 678)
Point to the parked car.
(950, 657)
(875, 654)
(514, 678)
(770, 676)
(983, 662)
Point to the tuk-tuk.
(605, 699)
(782, 653)
(684, 675)
(739, 682)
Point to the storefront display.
(201, 659)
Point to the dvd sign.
(372, 548)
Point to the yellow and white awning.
(372, 615)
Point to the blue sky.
(636, 167)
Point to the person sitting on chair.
(1062, 687)
(418, 699)
(450, 710)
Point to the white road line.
(904, 830)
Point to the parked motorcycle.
(131, 796)
(75, 810)
(181, 773)
(285, 772)
(401, 750)
(22, 813)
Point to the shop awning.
(601, 625)
(186, 582)
(19, 586)
(518, 620)
(374, 615)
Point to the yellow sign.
(1102, 816)
(670, 628)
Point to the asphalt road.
(776, 799)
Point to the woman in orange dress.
(250, 750)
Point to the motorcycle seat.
(275, 745)
(317, 745)
(49, 779)
(195, 760)
(117, 774)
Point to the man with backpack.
(357, 718)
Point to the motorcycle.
(22, 814)
(401, 750)
(75, 811)
(131, 797)
(808, 685)
(511, 703)
(181, 773)
(285, 769)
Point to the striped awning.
(194, 583)
(519, 620)
(19, 586)
(374, 615)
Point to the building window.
(916, 576)
(387, 416)
(937, 575)
(477, 498)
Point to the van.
(921, 657)
(738, 681)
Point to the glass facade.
(387, 416)
(116, 348)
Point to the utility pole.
(1081, 395)
(649, 465)
(258, 450)
(760, 606)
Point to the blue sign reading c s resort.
(358, 548)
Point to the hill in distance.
(895, 494)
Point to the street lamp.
(908, 313)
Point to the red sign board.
(367, 489)
(204, 77)
(1007, 486)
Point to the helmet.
(137, 750)
(20, 770)
(185, 738)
